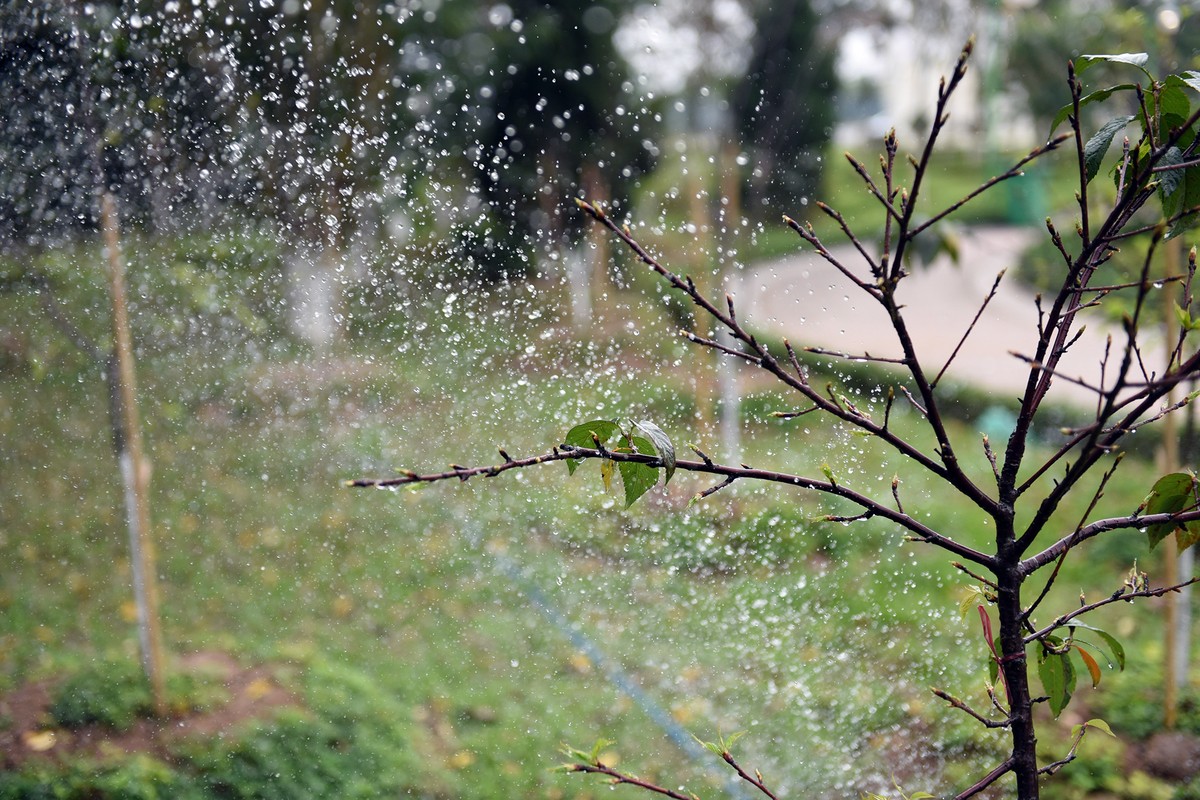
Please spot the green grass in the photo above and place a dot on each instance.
(407, 621)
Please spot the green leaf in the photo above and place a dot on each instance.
(1058, 678)
(1100, 725)
(993, 666)
(1182, 200)
(599, 746)
(1114, 647)
(638, 478)
(1171, 494)
(731, 738)
(1170, 179)
(1184, 316)
(1174, 108)
(662, 444)
(1098, 96)
(1139, 60)
(582, 436)
(974, 596)
(1097, 146)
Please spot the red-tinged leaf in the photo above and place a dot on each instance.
(1092, 667)
(987, 629)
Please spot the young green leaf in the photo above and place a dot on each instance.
(727, 741)
(1100, 725)
(607, 468)
(582, 436)
(599, 746)
(1184, 316)
(662, 444)
(1097, 146)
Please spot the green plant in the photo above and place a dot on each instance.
(115, 694)
(1025, 504)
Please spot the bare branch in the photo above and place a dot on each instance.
(995, 285)
(987, 780)
(1116, 597)
(883, 199)
(754, 780)
(1013, 172)
(961, 706)
(865, 357)
(618, 778)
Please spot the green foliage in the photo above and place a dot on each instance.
(115, 694)
(354, 741)
(1171, 494)
(636, 478)
(137, 777)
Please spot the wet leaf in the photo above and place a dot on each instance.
(607, 468)
(662, 445)
(1174, 108)
(1171, 179)
(1114, 647)
(1092, 667)
(1097, 146)
(638, 478)
(581, 436)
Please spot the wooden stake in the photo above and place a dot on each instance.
(135, 468)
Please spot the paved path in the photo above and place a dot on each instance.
(805, 299)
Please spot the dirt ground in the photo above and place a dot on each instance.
(29, 732)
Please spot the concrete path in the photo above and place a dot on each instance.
(805, 299)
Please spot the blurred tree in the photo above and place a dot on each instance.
(783, 107)
(1047, 34)
(557, 111)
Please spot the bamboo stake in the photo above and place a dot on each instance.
(135, 468)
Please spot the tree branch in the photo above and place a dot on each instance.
(563, 452)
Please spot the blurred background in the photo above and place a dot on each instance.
(349, 246)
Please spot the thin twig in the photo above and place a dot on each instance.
(599, 768)
(1065, 619)
(754, 780)
(995, 285)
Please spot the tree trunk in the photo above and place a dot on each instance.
(1016, 675)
